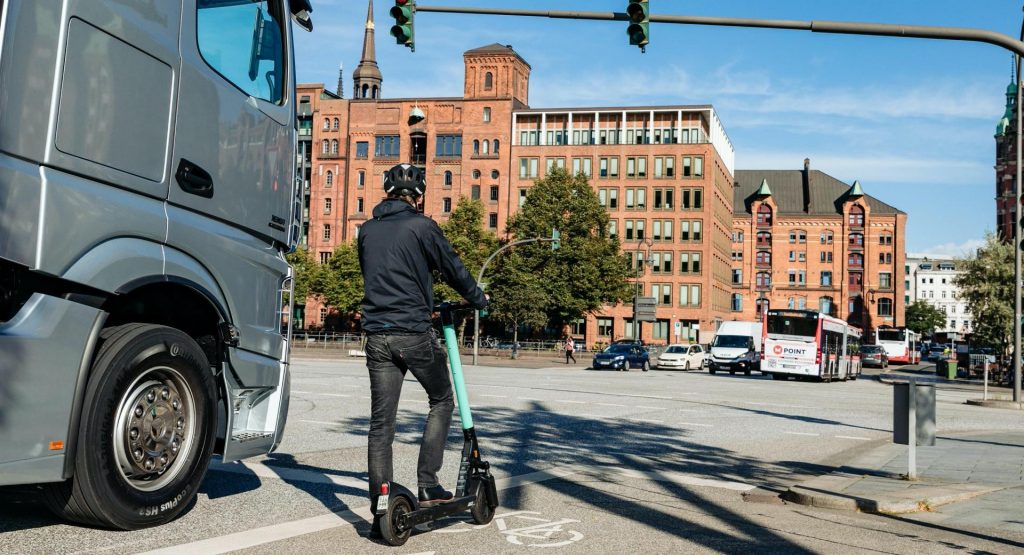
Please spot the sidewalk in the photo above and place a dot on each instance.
(983, 474)
(545, 360)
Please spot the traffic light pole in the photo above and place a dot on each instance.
(832, 27)
(480, 279)
(1018, 235)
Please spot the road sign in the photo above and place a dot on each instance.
(679, 328)
(646, 308)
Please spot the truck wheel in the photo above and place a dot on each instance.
(147, 430)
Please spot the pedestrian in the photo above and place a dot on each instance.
(570, 348)
(399, 249)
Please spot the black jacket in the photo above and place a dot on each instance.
(398, 250)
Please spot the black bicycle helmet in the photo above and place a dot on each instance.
(405, 179)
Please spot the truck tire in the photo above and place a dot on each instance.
(147, 431)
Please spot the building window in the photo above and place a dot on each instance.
(496, 147)
(327, 124)
(689, 262)
(763, 279)
(325, 146)
(664, 167)
(885, 258)
(737, 236)
(825, 305)
(386, 146)
(474, 192)
(360, 205)
(663, 293)
(764, 239)
(448, 146)
(662, 230)
(692, 199)
(640, 197)
(494, 193)
(487, 114)
(737, 276)
(553, 163)
(329, 179)
(737, 255)
(488, 81)
(492, 220)
(362, 149)
(856, 240)
(528, 168)
(608, 198)
(609, 167)
(327, 232)
(693, 166)
(856, 260)
(335, 124)
(476, 147)
(690, 230)
(764, 215)
(857, 215)
(826, 237)
(885, 307)
(325, 256)
(826, 279)
(447, 179)
(334, 146)
(613, 225)
(446, 205)
(885, 238)
(663, 199)
(327, 205)
(323, 315)
(581, 165)
(885, 280)
(635, 229)
(689, 295)
(486, 147)
(826, 256)
(604, 327)
(763, 258)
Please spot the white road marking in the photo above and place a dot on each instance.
(319, 393)
(494, 396)
(652, 420)
(855, 437)
(597, 416)
(801, 434)
(696, 424)
(610, 405)
(568, 401)
(649, 408)
(324, 422)
(288, 474)
(674, 477)
(530, 399)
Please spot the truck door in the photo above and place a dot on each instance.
(231, 155)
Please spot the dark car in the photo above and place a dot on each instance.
(874, 355)
(623, 356)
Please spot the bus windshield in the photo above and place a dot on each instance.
(892, 335)
(732, 341)
(792, 325)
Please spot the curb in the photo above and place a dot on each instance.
(995, 404)
(826, 492)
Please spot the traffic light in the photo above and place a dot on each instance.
(639, 12)
(556, 239)
(404, 11)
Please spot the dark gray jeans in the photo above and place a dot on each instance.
(388, 358)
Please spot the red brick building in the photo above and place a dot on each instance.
(803, 239)
(664, 173)
(1006, 166)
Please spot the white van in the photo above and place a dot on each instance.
(736, 347)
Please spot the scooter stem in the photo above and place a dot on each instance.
(455, 362)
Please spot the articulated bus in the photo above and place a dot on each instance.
(802, 343)
(901, 345)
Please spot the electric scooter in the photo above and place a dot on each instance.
(475, 489)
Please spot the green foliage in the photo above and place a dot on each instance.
(986, 284)
(588, 271)
(341, 280)
(517, 296)
(306, 272)
(924, 318)
(465, 231)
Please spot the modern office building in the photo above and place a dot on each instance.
(930, 280)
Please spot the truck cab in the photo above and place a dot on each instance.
(147, 199)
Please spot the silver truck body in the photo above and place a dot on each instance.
(106, 106)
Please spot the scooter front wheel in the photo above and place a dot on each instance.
(389, 529)
(482, 512)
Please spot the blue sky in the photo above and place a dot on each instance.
(913, 120)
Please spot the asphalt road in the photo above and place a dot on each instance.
(587, 462)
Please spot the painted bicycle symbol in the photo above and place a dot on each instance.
(527, 528)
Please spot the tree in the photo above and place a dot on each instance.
(986, 284)
(588, 271)
(924, 318)
(340, 284)
(465, 231)
(305, 272)
(517, 297)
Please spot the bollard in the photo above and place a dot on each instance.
(913, 419)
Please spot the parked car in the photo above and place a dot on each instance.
(874, 355)
(686, 357)
(508, 345)
(936, 352)
(623, 356)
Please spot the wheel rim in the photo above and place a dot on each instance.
(155, 429)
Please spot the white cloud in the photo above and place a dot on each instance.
(873, 168)
(951, 250)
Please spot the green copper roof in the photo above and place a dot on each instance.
(1002, 126)
(764, 190)
(855, 190)
(1008, 114)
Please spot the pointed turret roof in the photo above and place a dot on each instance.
(367, 70)
(764, 190)
(855, 190)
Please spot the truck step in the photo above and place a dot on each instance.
(244, 437)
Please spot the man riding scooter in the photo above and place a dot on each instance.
(398, 250)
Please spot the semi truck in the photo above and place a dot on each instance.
(148, 197)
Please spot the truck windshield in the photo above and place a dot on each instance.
(732, 341)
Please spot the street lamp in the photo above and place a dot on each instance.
(639, 271)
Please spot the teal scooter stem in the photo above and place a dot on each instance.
(451, 342)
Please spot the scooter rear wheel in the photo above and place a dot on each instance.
(388, 525)
(481, 511)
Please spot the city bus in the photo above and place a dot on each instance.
(802, 343)
(901, 345)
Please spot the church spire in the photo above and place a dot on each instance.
(341, 81)
(367, 76)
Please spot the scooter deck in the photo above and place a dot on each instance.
(434, 512)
